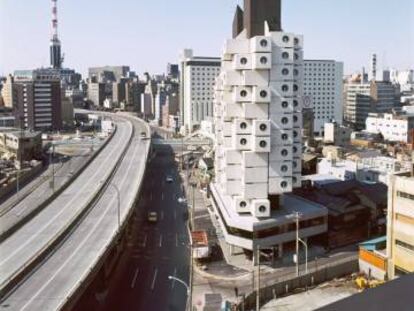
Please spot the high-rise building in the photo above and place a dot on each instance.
(400, 226)
(8, 92)
(323, 85)
(38, 100)
(97, 93)
(173, 71)
(361, 99)
(197, 80)
(258, 125)
(55, 47)
(108, 73)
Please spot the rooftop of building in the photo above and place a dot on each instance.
(394, 295)
(19, 133)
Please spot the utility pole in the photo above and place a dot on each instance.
(297, 243)
(258, 280)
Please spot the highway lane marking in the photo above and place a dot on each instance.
(162, 215)
(160, 240)
(153, 280)
(176, 239)
(175, 275)
(65, 207)
(175, 214)
(162, 196)
(151, 196)
(69, 258)
(135, 278)
(144, 243)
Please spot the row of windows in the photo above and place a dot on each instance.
(405, 195)
(404, 245)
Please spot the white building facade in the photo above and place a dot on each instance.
(323, 86)
(198, 76)
(258, 122)
(396, 128)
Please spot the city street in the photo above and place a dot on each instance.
(155, 250)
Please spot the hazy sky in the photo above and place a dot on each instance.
(146, 34)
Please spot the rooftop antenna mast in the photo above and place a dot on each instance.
(55, 47)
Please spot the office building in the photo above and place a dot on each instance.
(38, 100)
(198, 76)
(364, 98)
(405, 79)
(337, 134)
(97, 93)
(392, 127)
(323, 85)
(258, 147)
(8, 92)
(400, 226)
(108, 73)
(173, 71)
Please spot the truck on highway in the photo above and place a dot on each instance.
(201, 249)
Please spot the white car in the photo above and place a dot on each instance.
(182, 200)
(169, 179)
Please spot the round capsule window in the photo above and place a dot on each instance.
(263, 143)
(295, 134)
(243, 125)
(263, 94)
(295, 149)
(285, 136)
(243, 93)
(295, 72)
(263, 127)
(285, 88)
(284, 168)
(243, 141)
(285, 104)
(284, 152)
(262, 208)
(295, 103)
(285, 39)
(283, 184)
(296, 41)
(285, 55)
(243, 204)
(295, 87)
(263, 60)
(296, 56)
(263, 43)
(285, 120)
(243, 60)
(294, 180)
(285, 71)
(295, 119)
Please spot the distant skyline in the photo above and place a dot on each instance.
(146, 35)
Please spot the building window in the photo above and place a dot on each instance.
(285, 71)
(285, 120)
(263, 127)
(285, 88)
(263, 143)
(243, 141)
(285, 39)
(285, 104)
(243, 125)
(285, 136)
(263, 60)
(405, 195)
(262, 208)
(243, 61)
(285, 55)
(263, 43)
(263, 93)
(284, 152)
(284, 168)
(283, 184)
(243, 93)
(404, 245)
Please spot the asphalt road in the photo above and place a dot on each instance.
(155, 251)
(34, 236)
(18, 206)
(59, 276)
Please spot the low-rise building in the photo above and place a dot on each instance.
(337, 134)
(23, 145)
(400, 226)
(392, 127)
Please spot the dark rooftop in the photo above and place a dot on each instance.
(397, 295)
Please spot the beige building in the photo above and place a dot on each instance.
(8, 93)
(400, 235)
